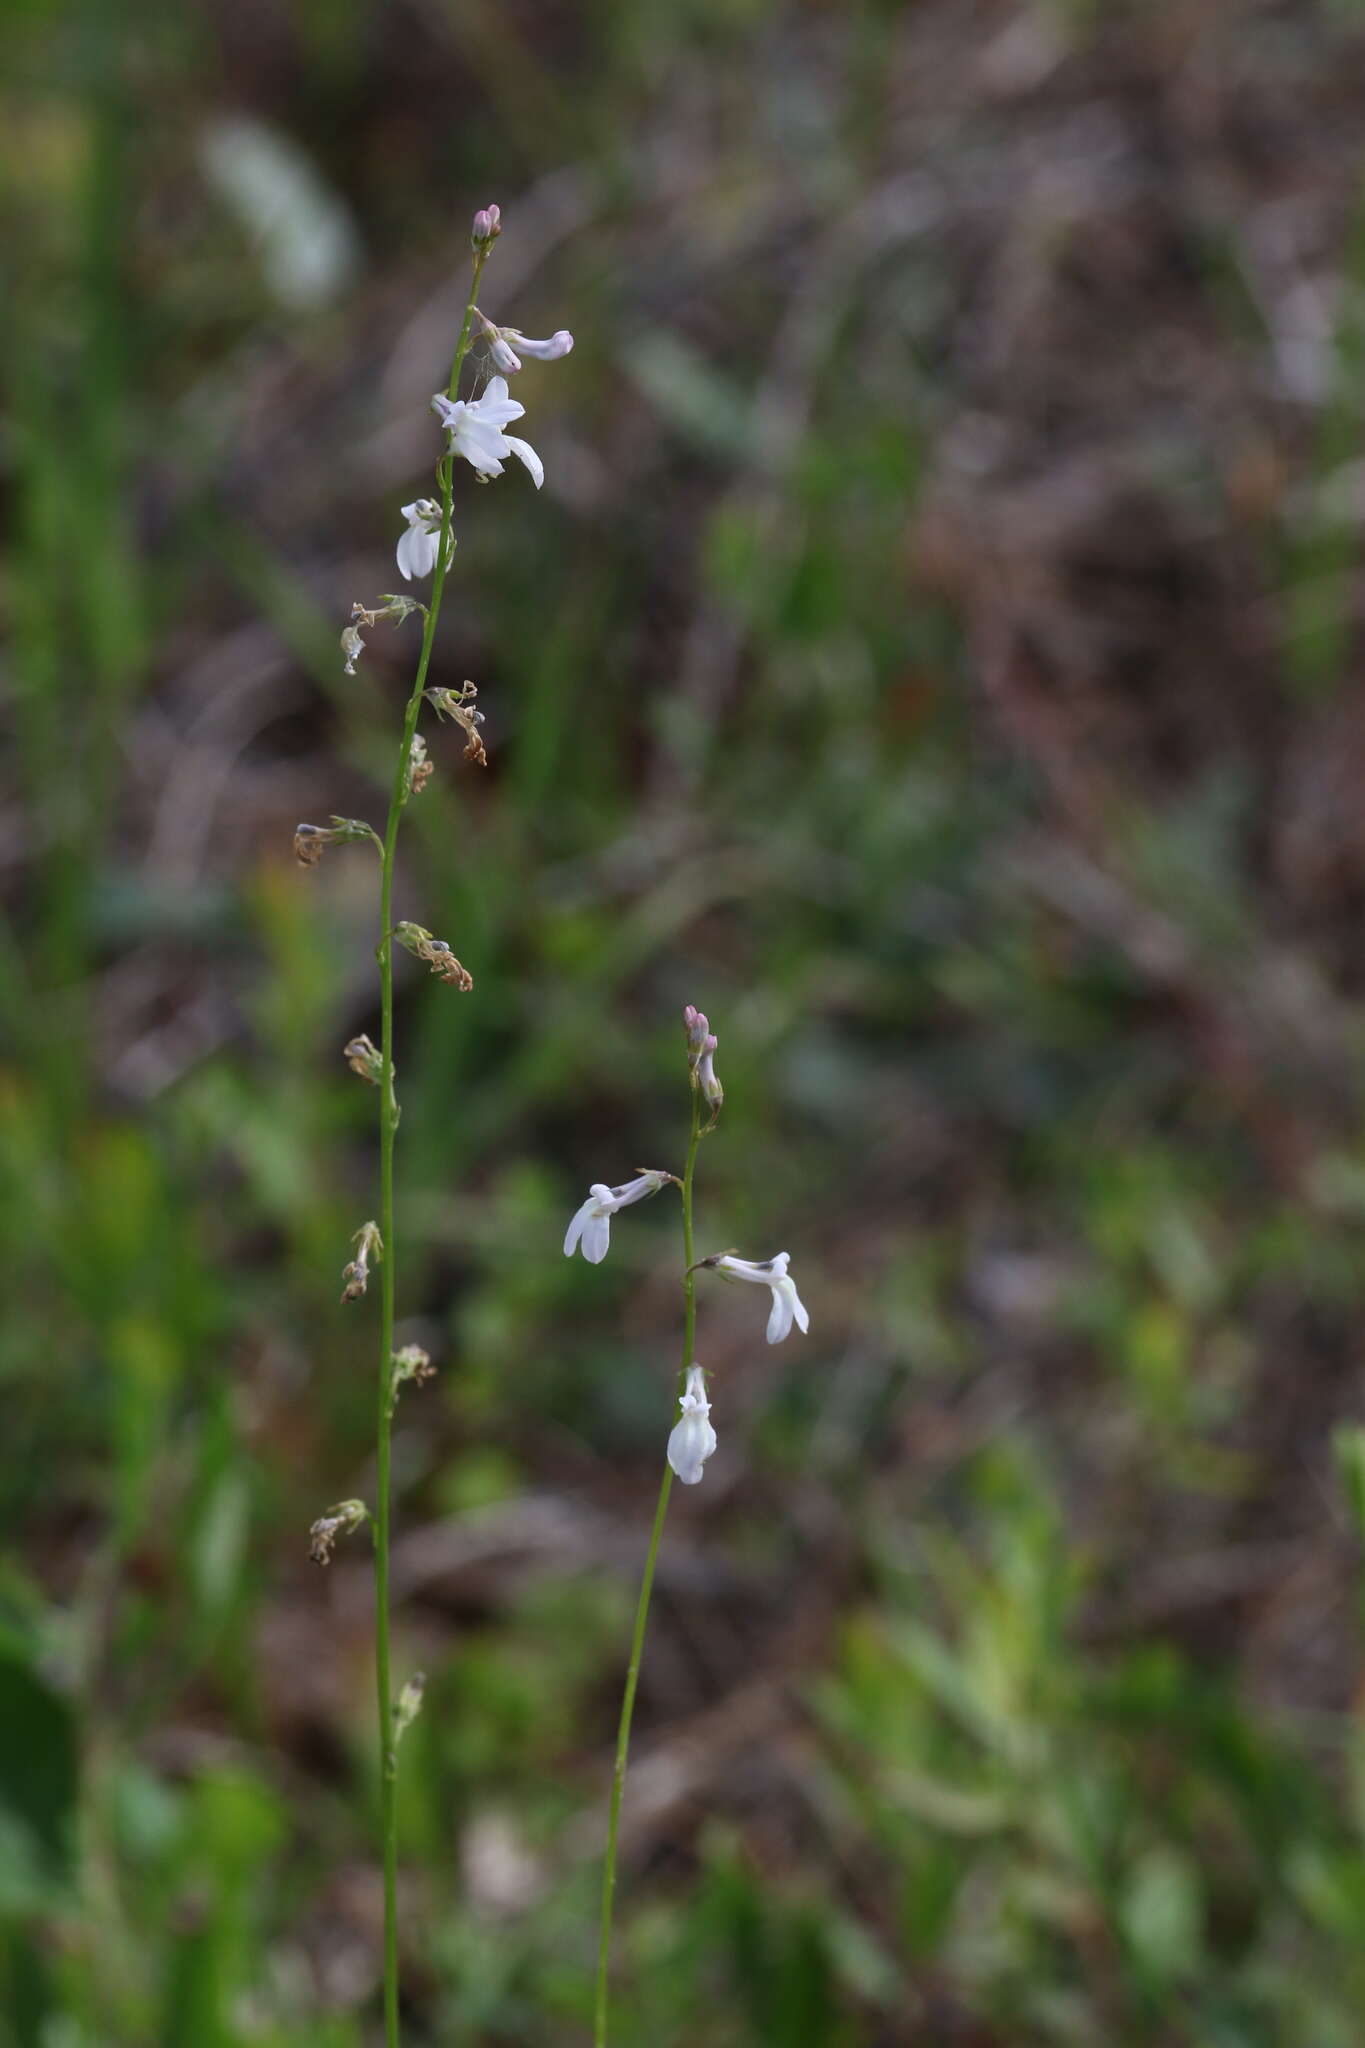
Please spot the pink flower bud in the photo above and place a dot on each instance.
(696, 1028)
(487, 226)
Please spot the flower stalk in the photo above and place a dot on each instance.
(693, 1438)
(388, 1128)
(474, 429)
(637, 1642)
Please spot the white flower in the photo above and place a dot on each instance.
(417, 547)
(787, 1307)
(592, 1222)
(475, 428)
(692, 1438)
(559, 344)
(501, 346)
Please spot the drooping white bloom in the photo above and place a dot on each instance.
(503, 343)
(787, 1308)
(559, 344)
(591, 1224)
(417, 547)
(475, 427)
(692, 1438)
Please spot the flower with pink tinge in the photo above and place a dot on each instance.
(503, 343)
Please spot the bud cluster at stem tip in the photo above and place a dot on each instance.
(486, 228)
(701, 1049)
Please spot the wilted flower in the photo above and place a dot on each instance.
(356, 1274)
(339, 1521)
(411, 1363)
(389, 606)
(352, 646)
(436, 953)
(310, 841)
(692, 1438)
(363, 1057)
(459, 705)
(419, 546)
(418, 772)
(408, 1705)
(475, 427)
(787, 1307)
(591, 1224)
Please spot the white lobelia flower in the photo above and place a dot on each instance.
(503, 343)
(692, 1438)
(591, 1225)
(417, 547)
(475, 427)
(787, 1308)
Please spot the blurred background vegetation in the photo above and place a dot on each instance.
(937, 652)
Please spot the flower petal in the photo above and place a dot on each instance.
(596, 1238)
(544, 351)
(525, 453)
(575, 1229)
(780, 1315)
(407, 542)
(495, 408)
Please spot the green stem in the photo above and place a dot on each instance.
(637, 1642)
(388, 1126)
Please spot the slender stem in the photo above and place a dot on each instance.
(388, 1127)
(637, 1642)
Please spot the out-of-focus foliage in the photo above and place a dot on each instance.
(936, 651)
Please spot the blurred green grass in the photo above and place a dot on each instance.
(935, 652)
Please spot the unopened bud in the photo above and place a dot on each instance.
(356, 1273)
(363, 1057)
(342, 1520)
(487, 227)
(706, 1077)
(696, 1029)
